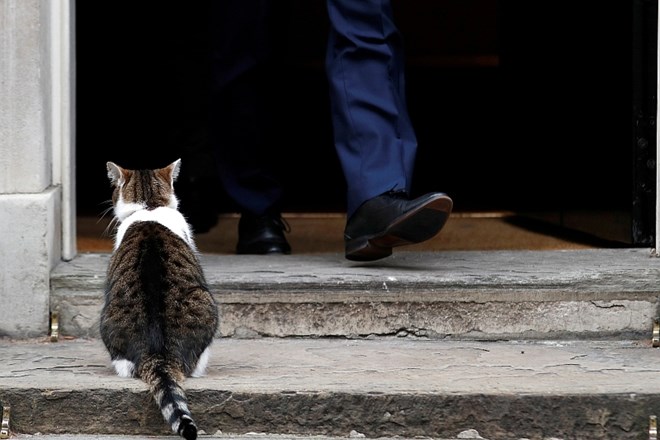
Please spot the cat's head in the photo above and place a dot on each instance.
(135, 190)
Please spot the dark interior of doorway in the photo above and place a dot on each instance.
(519, 106)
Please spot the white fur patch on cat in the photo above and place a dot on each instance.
(123, 367)
(200, 369)
(168, 217)
(123, 210)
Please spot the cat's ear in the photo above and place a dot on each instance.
(115, 174)
(173, 170)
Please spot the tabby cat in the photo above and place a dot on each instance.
(159, 319)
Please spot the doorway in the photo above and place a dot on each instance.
(522, 107)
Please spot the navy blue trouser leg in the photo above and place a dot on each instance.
(373, 134)
(244, 38)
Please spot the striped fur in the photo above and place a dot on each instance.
(159, 319)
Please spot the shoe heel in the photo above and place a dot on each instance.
(364, 250)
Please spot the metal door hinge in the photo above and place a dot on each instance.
(4, 427)
(54, 332)
(653, 428)
(655, 340)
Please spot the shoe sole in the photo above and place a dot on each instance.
(415, 226)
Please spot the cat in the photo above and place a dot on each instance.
(159, 318)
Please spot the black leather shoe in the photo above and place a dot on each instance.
(262, 235)
(391, 220)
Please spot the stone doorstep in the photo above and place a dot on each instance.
(388, 387)
(574, 294)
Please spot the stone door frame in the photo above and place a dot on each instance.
(37, 157)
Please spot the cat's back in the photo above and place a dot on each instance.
(156, 290)
(155, 254)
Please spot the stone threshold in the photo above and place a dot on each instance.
(494, 295)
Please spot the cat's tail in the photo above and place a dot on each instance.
(164, 380)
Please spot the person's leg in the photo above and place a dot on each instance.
(243, 52)
(241, 58)
(373, 133)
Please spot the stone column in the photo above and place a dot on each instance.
(30, 191)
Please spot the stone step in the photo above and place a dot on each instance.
(463, 435)
(493, 295)
(386, 387)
